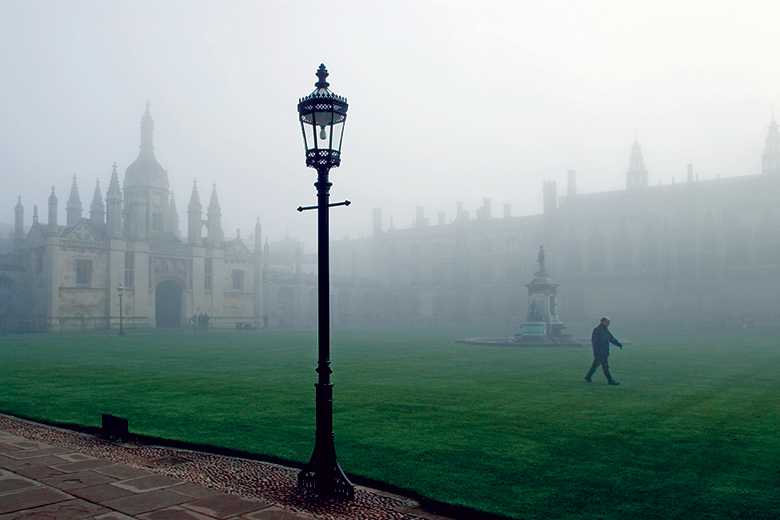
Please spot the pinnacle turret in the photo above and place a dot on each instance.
(173, 217)
(19, 221)
(195, 217)
(114, 206)
(97, 211)
(214, 219)
(74, 208)
(53, 206)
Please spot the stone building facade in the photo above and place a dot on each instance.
(693, 252)
(65, 277)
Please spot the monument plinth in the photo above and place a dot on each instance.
(542, 326)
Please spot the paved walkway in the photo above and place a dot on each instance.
(52, 473)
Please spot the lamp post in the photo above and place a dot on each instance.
(120, 291)
(322, 115)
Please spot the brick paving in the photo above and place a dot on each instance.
(52, 473)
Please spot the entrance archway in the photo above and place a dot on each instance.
(167, 304)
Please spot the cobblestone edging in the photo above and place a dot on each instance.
(251, 479)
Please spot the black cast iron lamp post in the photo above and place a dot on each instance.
(322, 115)
(120, 291)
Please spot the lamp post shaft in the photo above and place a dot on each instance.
(323, 473)
(121, 325)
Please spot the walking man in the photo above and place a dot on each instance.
(601, 338)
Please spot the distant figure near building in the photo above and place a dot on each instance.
(601, 338)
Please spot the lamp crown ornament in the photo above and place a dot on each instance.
(322, 73)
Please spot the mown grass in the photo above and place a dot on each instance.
(692, 432)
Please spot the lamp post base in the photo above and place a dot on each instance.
(325, 477)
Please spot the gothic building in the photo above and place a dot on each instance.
(695, 252)
(63, 277)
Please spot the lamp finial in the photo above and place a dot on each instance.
(322, 73)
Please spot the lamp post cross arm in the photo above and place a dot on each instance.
(345, 203)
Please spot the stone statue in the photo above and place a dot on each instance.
(533, 312)
(542, 263)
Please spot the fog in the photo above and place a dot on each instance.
(449, 100)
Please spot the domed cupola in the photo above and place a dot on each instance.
(146, 191)
(146, 172)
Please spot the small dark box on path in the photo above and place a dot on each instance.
(115, 426)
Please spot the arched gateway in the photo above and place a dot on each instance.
(167, 304)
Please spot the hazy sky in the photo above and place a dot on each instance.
(449, 100)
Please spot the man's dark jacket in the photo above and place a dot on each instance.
(601, 338)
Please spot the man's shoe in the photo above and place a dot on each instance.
(587, 379)
(614, 383)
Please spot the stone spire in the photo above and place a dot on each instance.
(195, 217)
(147, 131)
(173, 218)
(19, 221)
(53, 204)
(97, 211)
(214, 217)
(74, 208)
(770, 160)
(258, 235)
(636, 176)
(114, 203)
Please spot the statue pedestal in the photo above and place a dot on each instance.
(534, 328)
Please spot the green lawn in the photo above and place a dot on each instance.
(692, 432)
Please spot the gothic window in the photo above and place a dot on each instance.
(597, 254)
(238, 279)
(157, 218)
(709, 252)
(685, 255)
(572, 255)
(83, 272)
(512, 244)
(621, 245)
(6, 292)
(648, 251)
(460, 269)
(129, 269)
(736, 247)
(208, 272)
(39, 263)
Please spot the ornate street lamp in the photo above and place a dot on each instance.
(120, 291)
(322, 115)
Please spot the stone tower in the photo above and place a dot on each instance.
(636, 176)
(146, 189)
